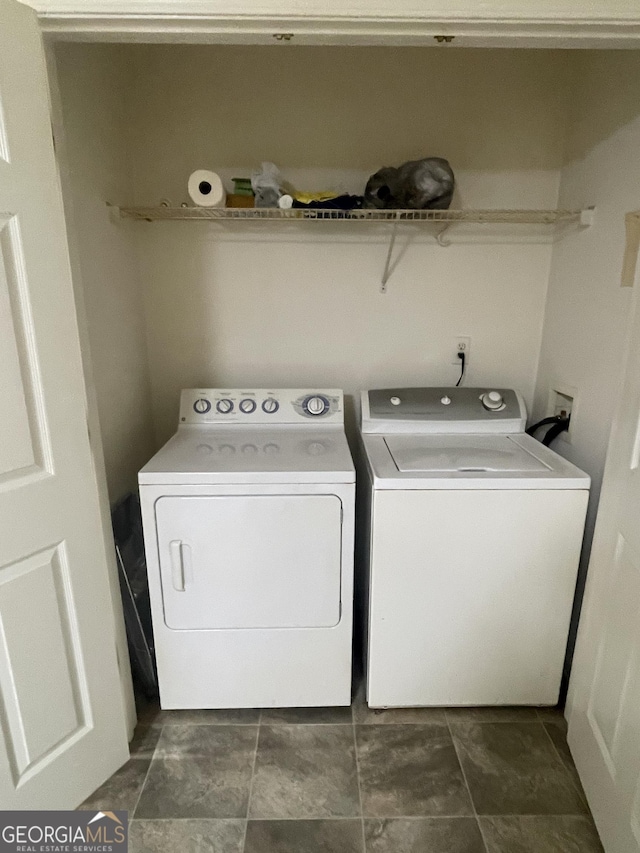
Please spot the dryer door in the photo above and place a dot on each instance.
(250, 561)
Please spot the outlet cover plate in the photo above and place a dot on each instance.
(463, 344)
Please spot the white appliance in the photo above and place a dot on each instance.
(471, 538)
(248, 516)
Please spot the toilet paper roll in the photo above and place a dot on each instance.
(206, 189)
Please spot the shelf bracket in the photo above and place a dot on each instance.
(441, 240)
(387, 265)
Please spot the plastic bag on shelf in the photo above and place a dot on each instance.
(266, 183)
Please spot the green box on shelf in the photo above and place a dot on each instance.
(242, 186)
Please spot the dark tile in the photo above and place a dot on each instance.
(513, 768)
(153, 715)
(191, 741)
(144, 741)
(122, 790)
(408, 716)
(200, 773)
(408, 770)
(378, 716)
(424, 835)
(194, 788)
(540, 834)
(305, 771)
(304, 836)
(186, 836)
(278, 716)
(493, 714)
(557, 733)
(553, 715)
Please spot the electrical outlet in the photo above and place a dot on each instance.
(462, 345)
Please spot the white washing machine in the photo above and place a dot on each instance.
(248, 516)
(471, 537)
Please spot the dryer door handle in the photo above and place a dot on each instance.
(179, 552)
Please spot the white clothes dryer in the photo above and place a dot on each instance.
(471, 534)
(248, 515)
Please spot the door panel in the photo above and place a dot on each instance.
(248, 561)
(4, 143)
(38, 657)
(21, 435)
(618, 648)
(62, 720)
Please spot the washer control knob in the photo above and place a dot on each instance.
(270, 406)
(247, 406)
(492, 401)
(224, 406)
(201, 406)
(446, 401)
(395, 401)
(316, 405)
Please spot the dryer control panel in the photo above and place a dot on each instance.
(277, 406)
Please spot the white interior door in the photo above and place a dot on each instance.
(62, 721)
(604, 698)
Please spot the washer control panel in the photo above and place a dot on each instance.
(261, 406)
(443, 410)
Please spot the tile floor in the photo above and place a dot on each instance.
(351, 780)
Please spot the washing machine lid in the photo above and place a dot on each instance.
(221, 455)
(461, 453)
(421, 461)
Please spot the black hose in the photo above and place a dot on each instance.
(555, 431)
(554, 419)
(559, 423)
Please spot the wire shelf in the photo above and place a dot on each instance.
(269, 214)
(565, 219)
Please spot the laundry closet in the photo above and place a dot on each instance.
(166, 303)
(172, 304)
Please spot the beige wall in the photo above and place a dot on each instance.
(92, 82)
(238, 306)
(349, 109)
(586, 313)
(587, 310)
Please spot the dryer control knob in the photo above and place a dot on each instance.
(395, 401)
(224, 406)
(446, 401)
(492, 401)
(316, 405)
(270, 406)
(201, 406)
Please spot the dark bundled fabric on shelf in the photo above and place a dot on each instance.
(417, 185)
(341, 202)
